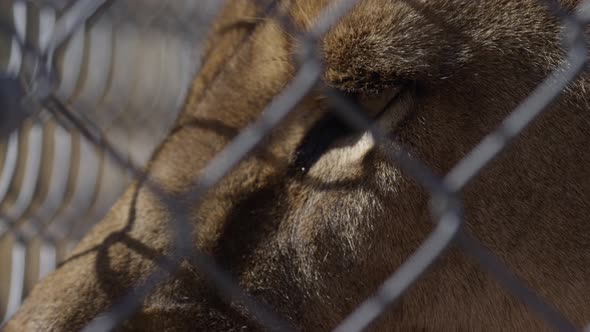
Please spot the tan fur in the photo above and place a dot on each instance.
(314, 246)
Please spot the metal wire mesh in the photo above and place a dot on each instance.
(55, 182)
(51, 110)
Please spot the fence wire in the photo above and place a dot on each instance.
(37, 101)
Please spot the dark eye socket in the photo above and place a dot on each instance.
(317, 141)
(332, 127)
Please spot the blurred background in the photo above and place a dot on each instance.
(126, 70)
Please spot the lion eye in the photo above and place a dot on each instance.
(332, 127)
(317, 141)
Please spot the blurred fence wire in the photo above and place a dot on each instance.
(81, 116)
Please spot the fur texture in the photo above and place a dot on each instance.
(314, 245)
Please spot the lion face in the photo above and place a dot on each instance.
(317, 218)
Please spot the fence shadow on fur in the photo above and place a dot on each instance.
(447, 206)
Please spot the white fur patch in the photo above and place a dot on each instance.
(352, 153)
(343, 160)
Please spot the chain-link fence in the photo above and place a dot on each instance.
(126, 73)
(74, 129)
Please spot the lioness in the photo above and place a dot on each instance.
(314, 221)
